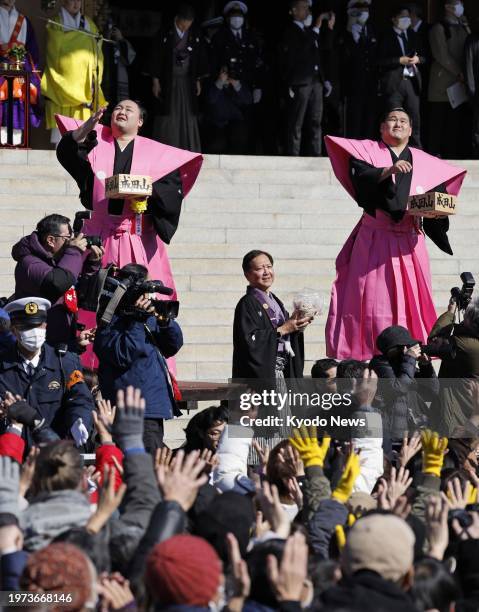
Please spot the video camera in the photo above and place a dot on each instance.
(463, 296)
(80, 217)
(119, 295)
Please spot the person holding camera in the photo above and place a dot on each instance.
(50, 261)
(227, 107)
(458, 346)
(409, 381)
(237, 71)
(132, 350)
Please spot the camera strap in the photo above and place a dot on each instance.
(109, 311)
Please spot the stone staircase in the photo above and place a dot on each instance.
(291, 207)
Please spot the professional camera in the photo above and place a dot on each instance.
(233, 69)
(80, 217)
(463, 296)
(119, 295)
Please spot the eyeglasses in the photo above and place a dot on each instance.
(67, 237)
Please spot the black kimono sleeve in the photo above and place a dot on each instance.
(255, 342)
(390, 197)
(372, 193)
(164, 205)
(73, 156)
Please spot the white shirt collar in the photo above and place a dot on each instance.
(300, 24)
(34, 362)
(399, 32)
(179, 32)
(235, 32)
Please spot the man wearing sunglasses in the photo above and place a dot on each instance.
(49, 263)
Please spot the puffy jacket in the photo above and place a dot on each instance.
(403, 392)
(38, 274)
(128, 356)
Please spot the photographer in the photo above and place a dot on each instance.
(49, 263)
(132, 350)
(460, 361)
(227, 110)
(410, 381)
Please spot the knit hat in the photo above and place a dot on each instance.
(60, 568)
(183, 570)
(381, 543)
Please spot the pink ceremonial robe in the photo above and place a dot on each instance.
(122, 244)
(383, 276)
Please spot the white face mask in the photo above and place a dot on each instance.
(308, 21)
(459, 10)
(404, 23)
(363, 17)
(236, 22)
(32, 339)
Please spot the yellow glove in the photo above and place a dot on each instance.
(345, 486)
(306, 443)
(340, 537)
(351, 519)
(433, 448)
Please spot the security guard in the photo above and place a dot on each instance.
(49, 379)
(236, 48)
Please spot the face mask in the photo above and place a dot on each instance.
(363, 17)
(404, 23)
(459, 10)
(308, 21)
(32, 339)
(236, 22)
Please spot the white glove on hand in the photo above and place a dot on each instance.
(79, 432)
(257, 95)
(328, 88)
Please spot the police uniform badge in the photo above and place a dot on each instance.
(31, 308)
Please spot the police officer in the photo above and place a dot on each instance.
(236, 50)
(50, 380)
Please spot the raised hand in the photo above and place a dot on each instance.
(287, 578)
(90, 124)
(183, 479)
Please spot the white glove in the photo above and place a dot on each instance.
(257, 95)
(328, 88)
(79, 432)
(356, 30)
(291, 92)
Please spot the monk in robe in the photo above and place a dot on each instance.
(91, 153)
(16, 31)
(383, 274)
(74, 67)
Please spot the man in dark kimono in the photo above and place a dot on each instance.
(266, 340)
(178, 63)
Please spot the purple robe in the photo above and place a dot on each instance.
(31, 64)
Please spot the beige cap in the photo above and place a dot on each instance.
(382, 543)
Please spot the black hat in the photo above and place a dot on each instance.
(396, 335)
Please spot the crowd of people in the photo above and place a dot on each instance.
(223, 86)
